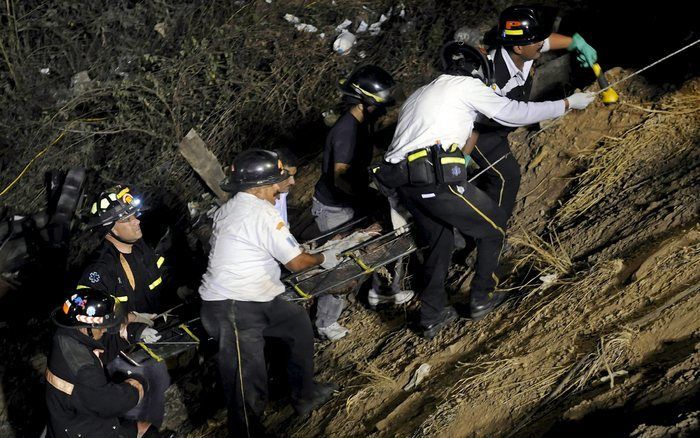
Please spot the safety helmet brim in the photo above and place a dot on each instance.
(111, 320)
(230, 185)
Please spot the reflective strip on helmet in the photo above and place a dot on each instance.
(122, 193)
(513, 32)
(89, 319)
(155, 283)
(378, 98)
(93, 210)
(104, 203)
(82, 286)
(160, 261)
(112, 196)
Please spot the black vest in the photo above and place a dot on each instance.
(521, 93)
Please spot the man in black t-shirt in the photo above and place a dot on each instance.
(343, 188)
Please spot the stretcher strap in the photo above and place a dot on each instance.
(301, 292)
(150, 352)
(189, 332)
(367, 269)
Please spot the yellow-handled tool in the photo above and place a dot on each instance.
(609, 95)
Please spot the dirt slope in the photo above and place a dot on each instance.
(608, 208)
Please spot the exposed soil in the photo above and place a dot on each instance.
(601, 334)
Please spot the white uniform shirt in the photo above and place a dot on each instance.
(281, 206)
(444, 112)
(248, 240)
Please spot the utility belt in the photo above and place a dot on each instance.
(423, 167)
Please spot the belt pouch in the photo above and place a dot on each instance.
(420, 169)
(451, 165)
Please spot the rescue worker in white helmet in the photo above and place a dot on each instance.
(343, 188)
(241, 294)
(426, 164)
(80, 399)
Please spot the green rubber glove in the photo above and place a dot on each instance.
(587, 56)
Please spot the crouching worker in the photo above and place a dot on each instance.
(81, 400)
(241, 294)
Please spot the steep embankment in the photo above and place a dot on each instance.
(603, 320)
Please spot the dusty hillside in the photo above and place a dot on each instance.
(608, 209)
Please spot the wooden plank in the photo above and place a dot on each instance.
(204, 162)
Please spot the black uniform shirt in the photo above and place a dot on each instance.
(347, 142)
(106, 273)
(95, 403)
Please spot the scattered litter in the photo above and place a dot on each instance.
(343, 26)
(418, 376)
(343, 44)
(375, 28)
(362, 54)
(322, 35)
(362, 27)
(268, 2)
(160, 28)
(329, 117)
(291, 18)
(306, 27)
(45, 71)
(298, 25)
(548, 280)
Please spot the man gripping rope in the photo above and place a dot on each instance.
(426, 164)
(524, 32)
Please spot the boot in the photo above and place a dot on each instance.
(481, 304)
(319, 396)
(448, 315)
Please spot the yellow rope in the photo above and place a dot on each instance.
(43, 151)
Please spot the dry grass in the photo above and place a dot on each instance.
(619, 157)
(545, 256)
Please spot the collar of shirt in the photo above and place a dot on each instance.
(512, 69)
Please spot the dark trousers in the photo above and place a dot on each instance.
(240, 328)
(502, 181)
(437, 210)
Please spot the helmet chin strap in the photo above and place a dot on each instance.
(126, 242)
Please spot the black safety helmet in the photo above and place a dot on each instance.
(461, 59)
(370, 85)
(89, 308)
(521, 25)
(254, 168)
(113, 204)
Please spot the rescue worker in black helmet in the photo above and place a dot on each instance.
(241, 294)
(426, 164)
(343, 188)
(81, 400)
(523, 33)
(124, 265)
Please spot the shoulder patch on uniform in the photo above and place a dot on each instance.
(94, 277)
(280, 225)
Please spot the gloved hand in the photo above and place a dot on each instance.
(143, 318)
(580, 100)
(330, 258)
(587, 56)
(150, 335)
